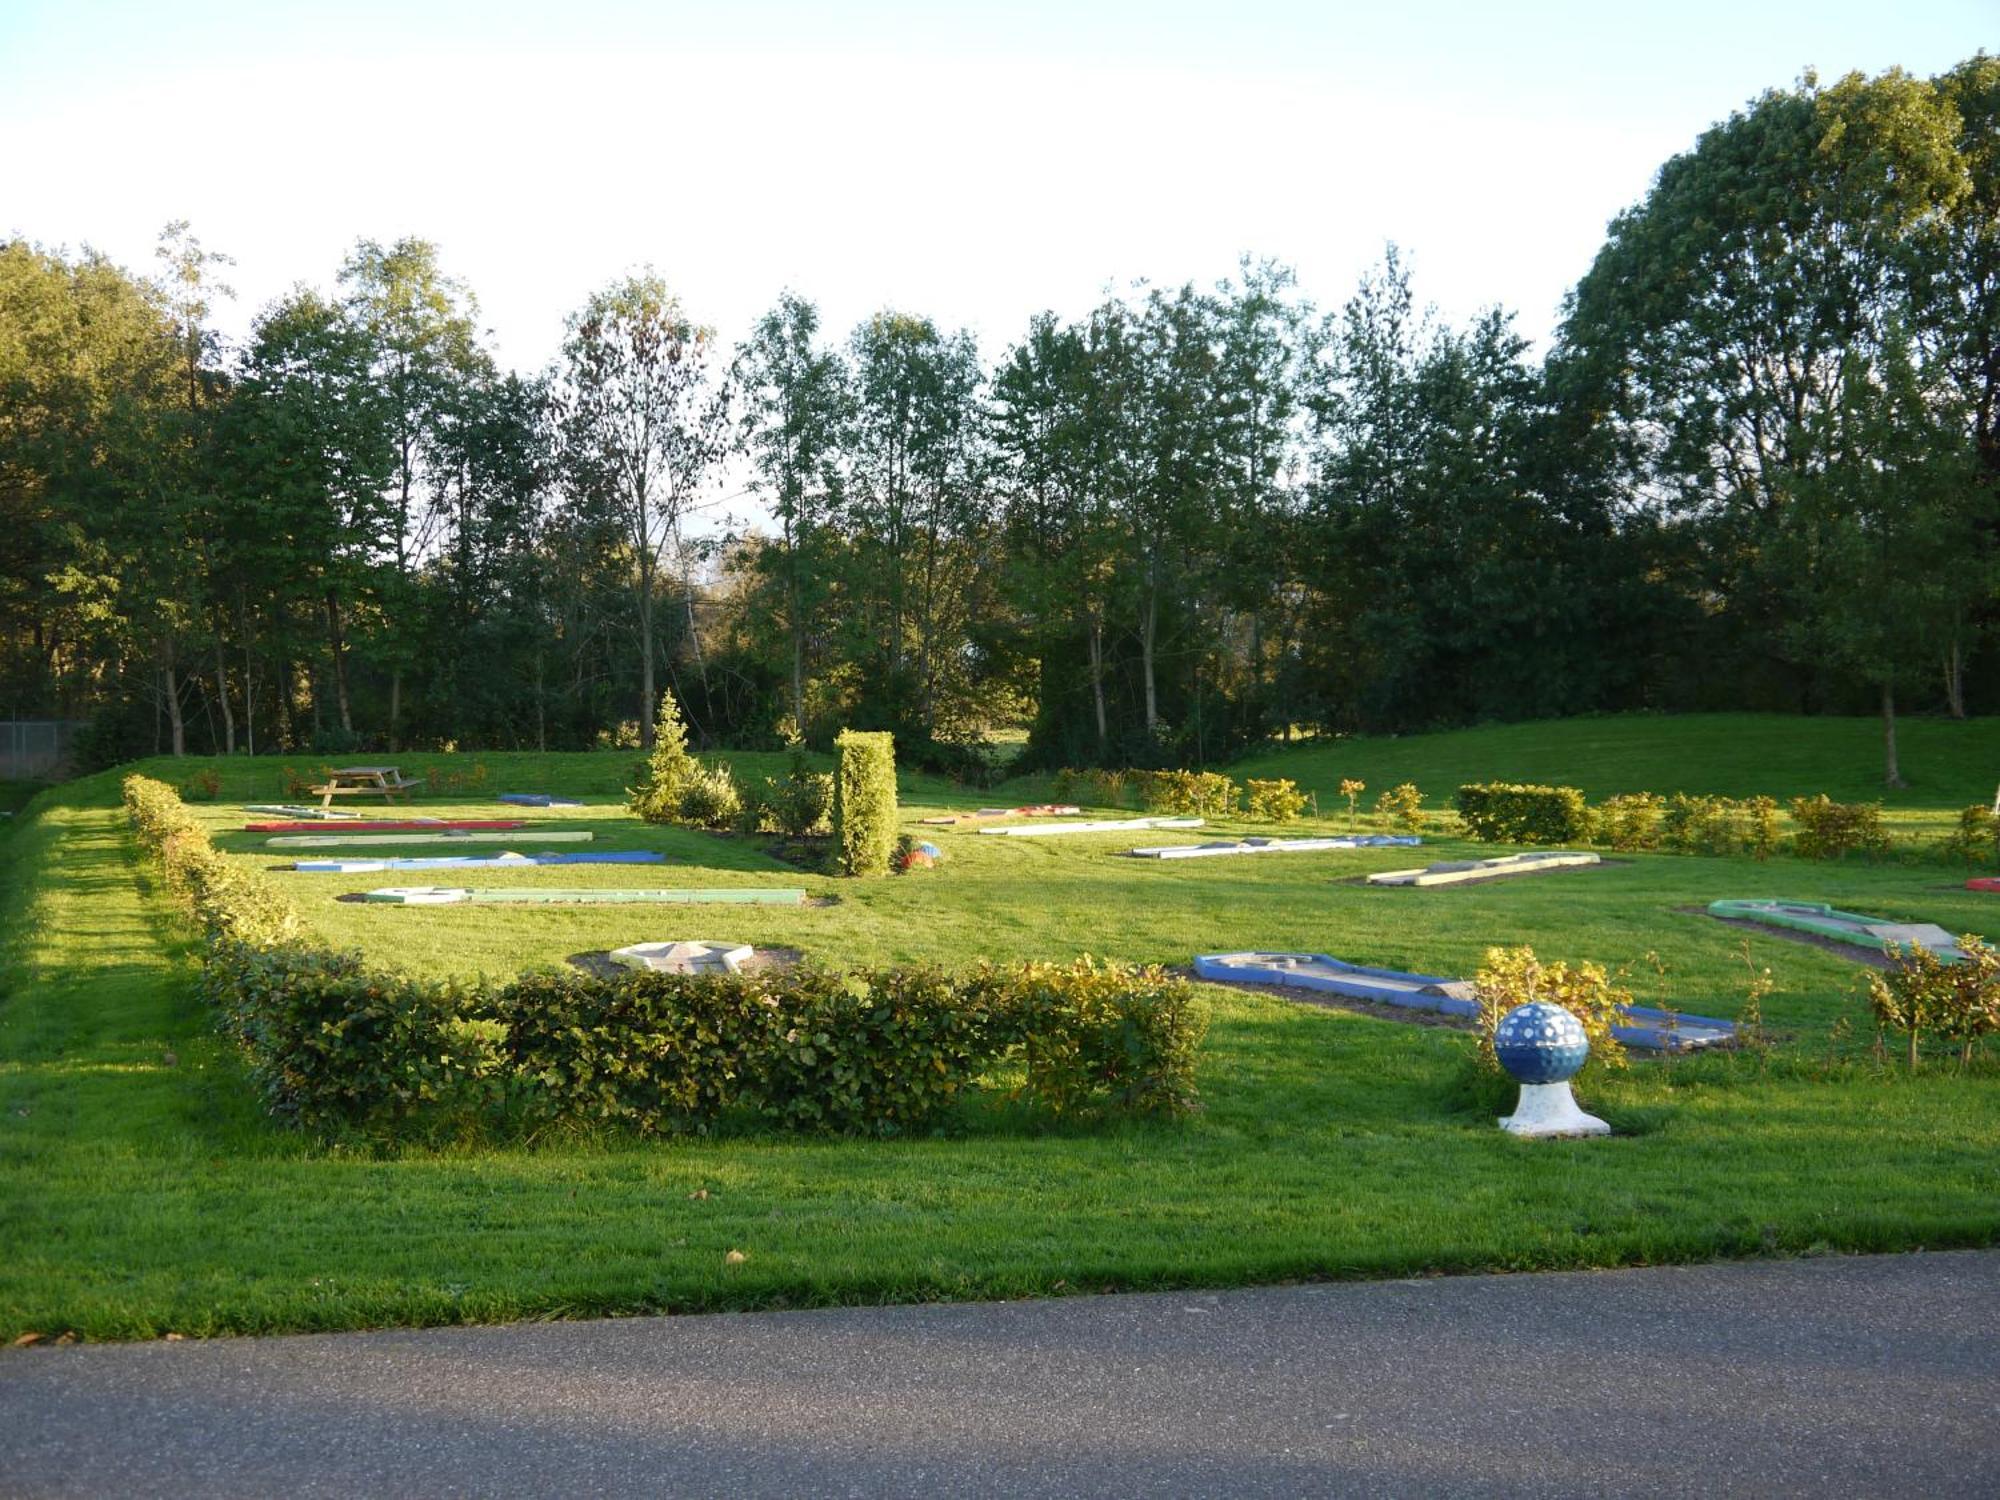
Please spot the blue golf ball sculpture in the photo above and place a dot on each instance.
(1540, 1043)
(1542, 1046)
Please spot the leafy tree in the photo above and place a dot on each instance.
(796, 407)
(643, 422)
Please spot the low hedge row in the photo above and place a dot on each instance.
(338, 1047)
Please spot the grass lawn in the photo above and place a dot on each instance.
(142, 1192)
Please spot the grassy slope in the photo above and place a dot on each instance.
(145, 1196)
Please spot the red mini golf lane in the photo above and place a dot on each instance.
(405, 825)
(1984, 883)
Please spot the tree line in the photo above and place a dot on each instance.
(1758, 467)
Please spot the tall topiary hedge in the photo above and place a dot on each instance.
(864, 801)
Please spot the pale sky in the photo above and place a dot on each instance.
(972, 164)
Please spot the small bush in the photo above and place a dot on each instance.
(1278, 801)
(799, 804)
(1700, 825)
(1187, 793)
(710, 799)
(204, 786)
(1402, 805)
(1352, 789)
(1920, 992)
(1630, 821)
(1976, 840)
(1513, 977)
(1504, 813)
(864, 801)
(1102, 1038)
(1829, 829)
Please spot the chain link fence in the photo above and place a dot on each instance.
(35, 749)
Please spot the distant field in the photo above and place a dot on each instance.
(146, 1193)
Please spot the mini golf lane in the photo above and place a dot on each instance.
(437, 895)
(1222, 847)
(509, 861)
(1878, 934)
(377, 840)
(1645, 1028)
(1471, 871)
(385, 825)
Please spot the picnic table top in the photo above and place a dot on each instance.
(366, 771)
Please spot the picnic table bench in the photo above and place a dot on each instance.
(364, 781)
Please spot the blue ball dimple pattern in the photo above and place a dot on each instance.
(1540, 1043)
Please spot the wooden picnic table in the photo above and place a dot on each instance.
(364, 781)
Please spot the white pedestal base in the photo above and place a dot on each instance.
(1551, 1109)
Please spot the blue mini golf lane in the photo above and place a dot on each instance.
(1645, 1028)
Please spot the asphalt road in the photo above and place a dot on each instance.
(1867, 1376)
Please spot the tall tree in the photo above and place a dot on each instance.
(797, 404)
(644, 424)
(420, 323)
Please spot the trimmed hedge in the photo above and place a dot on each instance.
(337, 1047)
(864, 801)
(1499, 812)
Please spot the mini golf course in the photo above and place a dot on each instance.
(1105, 825)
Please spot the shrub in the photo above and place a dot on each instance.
(876, 1053)
(1976, 840)
(648, 1052)
(710, 799)
(1504, 813)
(1352, 789)
(1402, 805)
(1513, 977)
(1187, 793)
(1102, 1038)
(1920, 992)
(1761, 813)
(1278, 801)
(666, 773)
(801, 802)
(1630, 820)
(1829, 829)
(864, 801)
(204, 786)
(1700, 825)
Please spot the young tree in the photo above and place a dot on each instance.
(644, 427)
